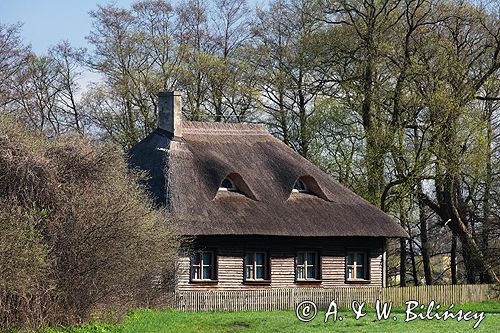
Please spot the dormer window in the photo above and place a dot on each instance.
(306, 184)
(228, 185)
(300, 187)
(233, 186)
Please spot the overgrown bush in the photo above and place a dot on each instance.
(78, 232)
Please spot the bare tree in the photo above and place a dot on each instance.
(13, 57)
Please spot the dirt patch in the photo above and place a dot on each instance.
(238, 326)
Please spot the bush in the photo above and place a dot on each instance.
(78, 233)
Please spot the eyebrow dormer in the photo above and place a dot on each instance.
(233, 182)
(308, 185)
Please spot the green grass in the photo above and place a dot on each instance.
(285, 321)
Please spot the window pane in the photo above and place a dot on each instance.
(227, 183)
(311, 272)
(300, 272)
(300, 258)
(248, 259)
(259, 258)
(207, 258)
(360, 259)
(350, 259)
(300, 186)
(207, 272)
(248, 270)
(259, 273)
(349, 272)
(311, 258)
(196, 259)
(360, 272)
(196, 273)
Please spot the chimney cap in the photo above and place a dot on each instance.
(169, 93)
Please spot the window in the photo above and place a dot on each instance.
(357, 265)
(233, 186)
(203, 266)
(306, 184)
(227, 185)
(307, 265)
(256, 266)
(300, 186)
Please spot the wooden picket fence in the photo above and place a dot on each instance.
(285, 299)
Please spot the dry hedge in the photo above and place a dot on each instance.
(78, 231)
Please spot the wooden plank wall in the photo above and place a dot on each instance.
(286, 299)
(282, 252)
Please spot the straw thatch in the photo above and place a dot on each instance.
(186, 173)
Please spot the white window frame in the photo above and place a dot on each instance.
(201, 265)
(355, 266)
(305, 266)
(253, 266)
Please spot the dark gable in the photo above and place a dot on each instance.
(197, 163)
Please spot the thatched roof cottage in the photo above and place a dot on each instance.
(262, 215)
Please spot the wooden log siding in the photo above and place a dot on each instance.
(230, 252)
(286, 299)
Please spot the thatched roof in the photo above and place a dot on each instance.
(186, 174)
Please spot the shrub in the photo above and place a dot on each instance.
(78, 233)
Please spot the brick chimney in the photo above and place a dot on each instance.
(169, 114)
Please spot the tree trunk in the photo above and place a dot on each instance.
(303, 130)
(402, 262)
(412, 258)
(283, 117)
(453, 261)
(374, 154)
(402, 245)
(474, 259)
(485, 232)
(424, 241)
(470, 269)
(217, 96)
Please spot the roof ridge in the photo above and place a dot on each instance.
(216, 128)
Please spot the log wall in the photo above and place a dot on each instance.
(230, 252)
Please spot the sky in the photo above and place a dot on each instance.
(47, 22)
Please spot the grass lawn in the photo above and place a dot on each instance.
(286, 321)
